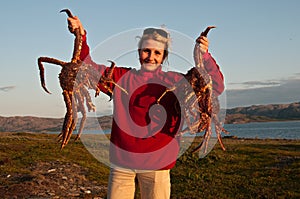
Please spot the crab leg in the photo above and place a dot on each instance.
(220, 138)
(68, 121)
(77, 41)
(197, 52)
(74, 118)
(77, 46)
(204, 33)
(207, 89)
(41, 68)
(80, 102)
(68, 12)
(107, 78)
(204, 143)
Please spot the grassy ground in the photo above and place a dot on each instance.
(249, 168)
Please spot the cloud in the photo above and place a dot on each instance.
(251, 84)
(269, 92)
(7, 88)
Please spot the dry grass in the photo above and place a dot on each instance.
(250, 168)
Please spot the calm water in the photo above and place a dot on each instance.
(260, 130)
(274, 130)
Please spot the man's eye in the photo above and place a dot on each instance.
(146, 50)
(157, 53)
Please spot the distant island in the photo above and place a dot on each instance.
(254, 113)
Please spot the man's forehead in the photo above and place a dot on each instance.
(150, 43)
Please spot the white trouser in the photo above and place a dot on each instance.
(153, 184)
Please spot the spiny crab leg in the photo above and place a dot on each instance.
(197, 52)
(107, 78)
(206, 138)
(77, 41)
(110, 80)
(164, 93)
(41, 68)
(205, 32)
(68, 12)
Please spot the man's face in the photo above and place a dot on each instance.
(151, 54)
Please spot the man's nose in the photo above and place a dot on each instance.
(151, 56)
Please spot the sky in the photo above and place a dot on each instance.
(256, 44)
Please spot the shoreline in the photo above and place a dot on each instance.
(233, 137)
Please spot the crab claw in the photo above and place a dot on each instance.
(45, 89)
(112, 63)
(68, 12)
(204, 33)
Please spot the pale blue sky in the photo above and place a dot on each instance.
(256, 44)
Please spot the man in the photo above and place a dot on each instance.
(143, 136)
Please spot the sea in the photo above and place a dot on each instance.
(265, 130)
(257, 130)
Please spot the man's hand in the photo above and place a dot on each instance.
(74, 23)
(204, 43)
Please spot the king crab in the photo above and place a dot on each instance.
(75, 79)
(200, 104)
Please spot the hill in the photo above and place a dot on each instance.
(42, 125)
(255, 113)
(264, 113)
